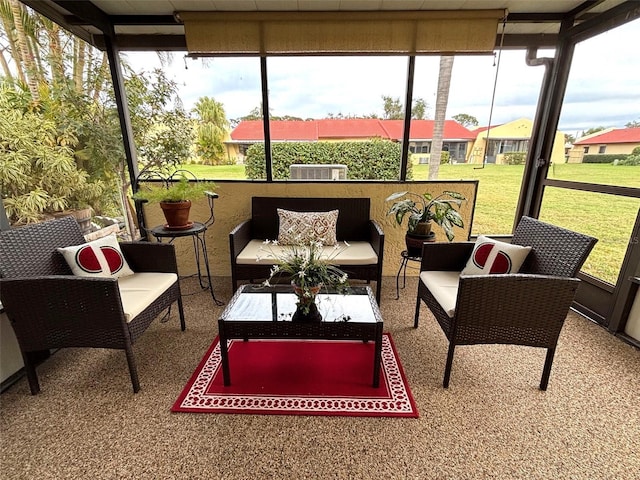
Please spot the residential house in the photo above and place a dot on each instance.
(508, 137)
(456, 137)
(610, 141)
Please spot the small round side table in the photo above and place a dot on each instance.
(197, 233)
(406, 258)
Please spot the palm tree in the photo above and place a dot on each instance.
(211, 130)
(442, 98)
(22, 44)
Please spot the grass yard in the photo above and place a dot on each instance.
(606, 217)
(222, 172)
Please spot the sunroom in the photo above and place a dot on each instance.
(264, 47)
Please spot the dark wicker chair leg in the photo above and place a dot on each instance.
(447, 368)
(133, 371)
(30, 369)
(417, 315)
(181, 313)
(378, 289)
(547, 368)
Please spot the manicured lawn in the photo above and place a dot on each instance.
(216, 172)
(608, 218)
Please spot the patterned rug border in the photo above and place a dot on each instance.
(399, 403)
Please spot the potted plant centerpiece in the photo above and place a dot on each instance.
(308, 265)
(174, 197)
(423, 209)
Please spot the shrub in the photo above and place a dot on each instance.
(603, 157)
(631, 160)
(515, 158)
(370, 160)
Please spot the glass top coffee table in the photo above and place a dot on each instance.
(257, 312)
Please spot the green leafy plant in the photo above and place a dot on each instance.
(175, 191)
(308, 265)
(424, 208)
(39, 174)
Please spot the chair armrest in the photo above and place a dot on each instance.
(444, 256)
(63, 311)
(150, 257)
(239, 237)
(376, 237)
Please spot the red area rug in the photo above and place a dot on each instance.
(295, 377)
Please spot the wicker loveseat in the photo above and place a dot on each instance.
(49, 308)
(525, 308)
(362, 260)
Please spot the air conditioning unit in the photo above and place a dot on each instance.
(318, 172)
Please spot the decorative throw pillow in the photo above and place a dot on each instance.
(303, 227)
(99, 258)
(493, 256)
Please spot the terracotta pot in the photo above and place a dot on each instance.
(176, 214)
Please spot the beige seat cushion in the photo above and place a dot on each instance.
(444, 288)
(141, 289)
(358, 253)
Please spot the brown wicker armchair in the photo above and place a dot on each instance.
(527, 308)
(50, 308)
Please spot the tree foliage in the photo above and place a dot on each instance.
(392, 107)
(466, 120)
(211, 130)
(61, 140)
(592, 131)
(161, 126)
(38, 171)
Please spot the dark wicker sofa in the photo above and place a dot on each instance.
(49, 308)
(354, 225)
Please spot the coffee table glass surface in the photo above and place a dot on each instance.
(278, 303)
(266, 312)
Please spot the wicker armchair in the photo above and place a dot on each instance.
(527, 308)
(50, 308)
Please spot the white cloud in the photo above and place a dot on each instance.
(603, 86)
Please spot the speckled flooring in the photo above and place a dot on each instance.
(492, 422)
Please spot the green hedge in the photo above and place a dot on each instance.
(371, 160)
(603, 157)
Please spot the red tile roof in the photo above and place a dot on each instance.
(313, 130)
(252, 130)
(619, 135)
(351, 128)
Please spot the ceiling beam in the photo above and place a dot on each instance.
(132, 20)
(87, 12)
(612, 18)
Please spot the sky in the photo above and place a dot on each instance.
(603, 88)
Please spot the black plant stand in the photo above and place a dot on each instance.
(197, 233)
